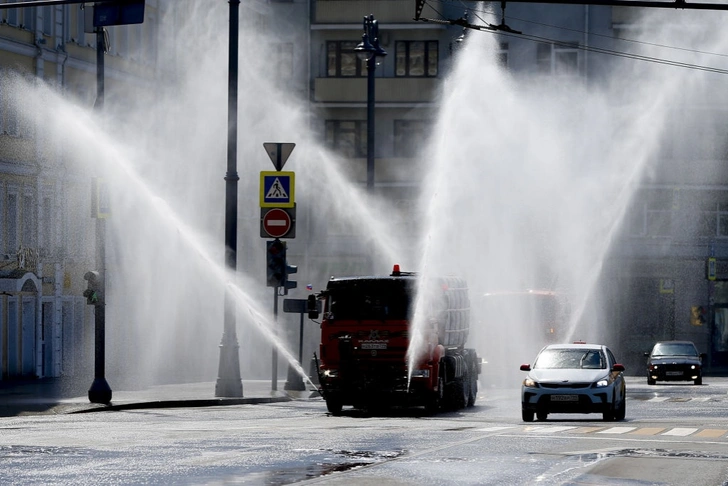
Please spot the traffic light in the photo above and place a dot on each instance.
(93, 292)
(276, 263)
(289, 284)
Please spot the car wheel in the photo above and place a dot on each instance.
(650, 381)
(526, 415)
(621, 411)
(541, 416)
(698, 380)
(608, 414)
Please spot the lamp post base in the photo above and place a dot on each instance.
(100, 391)
(228, 382)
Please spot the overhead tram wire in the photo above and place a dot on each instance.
(581, 32)
(498, 29)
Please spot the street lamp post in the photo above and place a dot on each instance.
(229, 383)
(368, 50)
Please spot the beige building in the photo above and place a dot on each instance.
(45, 224)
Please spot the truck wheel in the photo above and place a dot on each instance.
(473, 389)
(334, 406)
(433, 403)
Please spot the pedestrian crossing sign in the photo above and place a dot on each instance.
(277, 189)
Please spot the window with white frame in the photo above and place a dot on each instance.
(558, 58)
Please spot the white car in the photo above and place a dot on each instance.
(573, 378)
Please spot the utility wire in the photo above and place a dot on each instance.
(591, 48)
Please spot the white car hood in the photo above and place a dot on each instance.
(567, 375)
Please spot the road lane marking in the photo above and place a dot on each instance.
(680, 431)
(648, 431)
(617, 430)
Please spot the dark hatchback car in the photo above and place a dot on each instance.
(675, 361)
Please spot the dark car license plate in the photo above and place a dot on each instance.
(564, 398)
(674, 373)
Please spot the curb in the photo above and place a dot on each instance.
(194, 403)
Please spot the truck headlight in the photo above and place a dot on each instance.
(420, 373)
(331, 373)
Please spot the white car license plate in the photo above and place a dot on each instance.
(674, 373)
(564, 398)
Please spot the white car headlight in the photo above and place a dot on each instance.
(530, 383)
(602, 383)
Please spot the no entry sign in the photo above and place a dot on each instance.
(277, 223)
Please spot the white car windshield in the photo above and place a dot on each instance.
(570, 359)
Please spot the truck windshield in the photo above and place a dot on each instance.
(361, 300)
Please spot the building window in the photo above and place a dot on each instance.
(347, 137)
(47, 20)
(416, 58)
(11, 218)
(342, 61)
(652, 215)
(410, 136)
(29, 18)
(28, 221)
(560, 59)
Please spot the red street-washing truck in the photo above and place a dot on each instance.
(365, 336)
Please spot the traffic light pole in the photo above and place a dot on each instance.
(274, 361)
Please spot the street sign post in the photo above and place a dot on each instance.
(277, 189)
(278, 153)
(278, 222)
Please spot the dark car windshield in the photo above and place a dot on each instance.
(674, 349)
(570, 359)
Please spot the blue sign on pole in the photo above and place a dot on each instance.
(277, 189)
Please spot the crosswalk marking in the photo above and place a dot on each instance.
(495, 428)
(712, 433)
(648, 431)
(680, 431)
(658, 399)
(617, 430)
(587, 430)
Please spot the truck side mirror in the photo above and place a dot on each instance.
(312, 307)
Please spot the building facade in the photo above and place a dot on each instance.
(46, 232)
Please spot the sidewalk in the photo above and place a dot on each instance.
(49, 397)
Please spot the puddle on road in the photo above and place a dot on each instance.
(332, 461)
